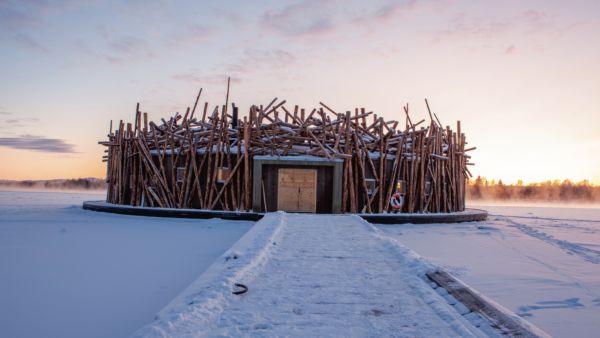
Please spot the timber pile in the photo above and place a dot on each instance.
(203, 158)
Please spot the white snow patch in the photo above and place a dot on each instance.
(542, 263)
(67, 272)
(203, 301)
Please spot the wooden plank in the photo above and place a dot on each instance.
(511, 326)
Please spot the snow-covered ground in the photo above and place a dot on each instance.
(66, 272)
(542, 263)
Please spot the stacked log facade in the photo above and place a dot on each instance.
(203, 159)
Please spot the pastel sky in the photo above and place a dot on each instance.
(522, 76)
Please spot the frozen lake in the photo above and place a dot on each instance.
(67, 272)
(543, 263)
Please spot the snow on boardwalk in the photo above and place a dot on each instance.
(312, 275)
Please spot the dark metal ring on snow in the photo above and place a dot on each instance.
(243, 287)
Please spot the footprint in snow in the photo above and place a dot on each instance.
(570, 303)
(373, 312)
(486, 230)
(486, 227)
(262, 326)
(231, 255)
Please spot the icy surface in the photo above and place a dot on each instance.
(542, 263)
(313, 275)
(66, 272)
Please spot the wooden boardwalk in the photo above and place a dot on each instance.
(311, 275)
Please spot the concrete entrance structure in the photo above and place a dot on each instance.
(266, 183)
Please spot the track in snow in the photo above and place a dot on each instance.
(539, 232)
(541, 263)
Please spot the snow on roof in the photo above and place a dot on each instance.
(297, 158)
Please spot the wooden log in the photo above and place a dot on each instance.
(196, 104)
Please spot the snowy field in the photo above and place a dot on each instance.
(66, 272)
(541, 262)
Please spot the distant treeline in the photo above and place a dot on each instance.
(548, 191)
(72, 184)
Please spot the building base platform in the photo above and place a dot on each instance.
(454, 217)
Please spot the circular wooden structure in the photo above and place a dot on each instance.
(287, 158)
(468, 215)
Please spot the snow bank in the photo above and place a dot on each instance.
(421, 267)
(204, 300)
(541, 263)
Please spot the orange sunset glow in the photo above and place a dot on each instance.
(522, 77)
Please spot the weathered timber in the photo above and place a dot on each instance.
(207, 162)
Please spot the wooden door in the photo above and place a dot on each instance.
(297, 190)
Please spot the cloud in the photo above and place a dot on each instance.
(15, 19)
(190, 35)
(23, 120)
(384, 14)
(128, 48)
(538, 22)
(257, 59)
(29, 42)
(529, 23)
(38, 143)
(114, 48)
(22, 17)
(393, 9)
(13, 123)
(196, 76)
(313, 18)
(251, 61)
(464, 26)
(233, 18)
(305, 18)
(4, 113)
